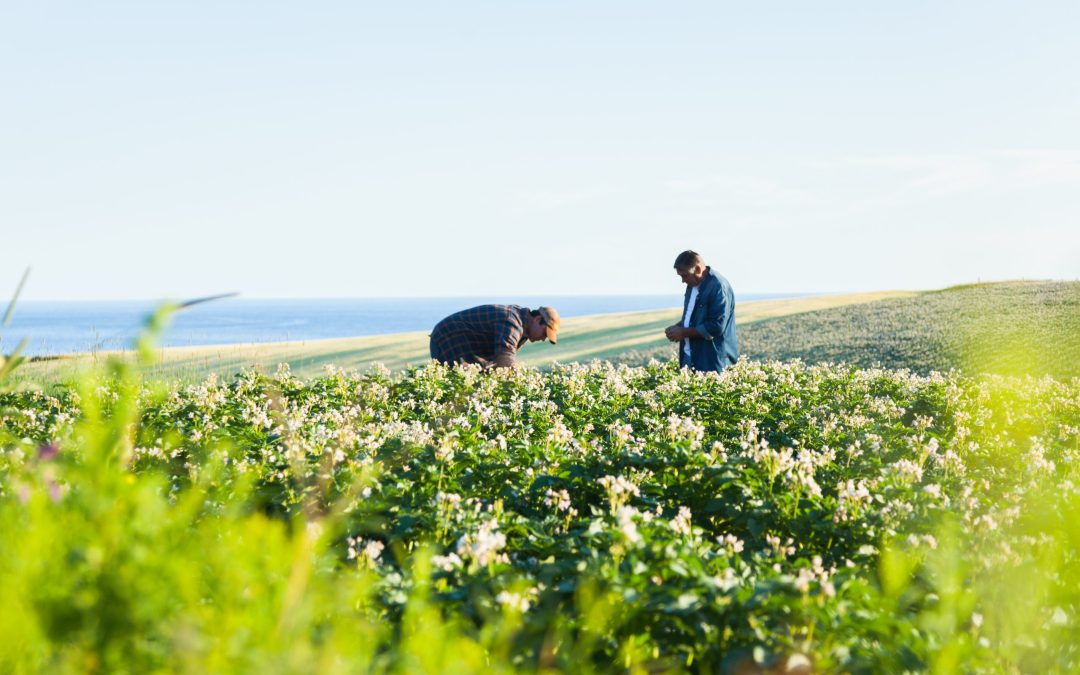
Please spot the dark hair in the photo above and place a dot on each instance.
(687, 260)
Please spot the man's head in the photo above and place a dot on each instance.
(691, 268)
(543, 324)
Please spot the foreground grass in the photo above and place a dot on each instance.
(581, 339)
(587, 519)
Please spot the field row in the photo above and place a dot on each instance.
(591, 517)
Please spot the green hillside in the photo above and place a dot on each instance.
(1007, 328)
(1015, 328)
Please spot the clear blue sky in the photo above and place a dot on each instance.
(152, 149)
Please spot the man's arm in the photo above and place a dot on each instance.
(716, 315)
(507, 339)
(676, 332)
(505, 360)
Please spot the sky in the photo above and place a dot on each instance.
(357, 149)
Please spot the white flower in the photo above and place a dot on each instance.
(731, 543)
(802, 581)
(1036, 458)
(373, 550)
(780, 547)
(950, 462)
(559, 434)
(484, 545)
(719, 452)
(445, 450)
(682, 522)
(620, 433)
(365, 554)
(803, 474)
(627, 525)
(907, 471)
(619, 490)
(854, 492)
(447, 500)
(560, 500)
(853, 497)
(515, 601)
(448, 562)
(684, 428)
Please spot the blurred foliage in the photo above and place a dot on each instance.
(591, 518)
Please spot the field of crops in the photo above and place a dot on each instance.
(778, 517)
(1016, 328)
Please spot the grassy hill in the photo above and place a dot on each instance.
(1008, 328)
(1015, 328)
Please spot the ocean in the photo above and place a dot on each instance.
(63, 327)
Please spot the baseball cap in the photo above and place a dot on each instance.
(551, 320)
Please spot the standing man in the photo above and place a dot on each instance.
(490, 335)
(707, 331)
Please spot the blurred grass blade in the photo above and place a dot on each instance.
(157, 322)
(209, 298)
(15, 298)
(11, 361)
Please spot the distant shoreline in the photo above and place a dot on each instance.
(69, 328)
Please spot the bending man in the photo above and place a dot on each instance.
(490, 335)
(707, 331)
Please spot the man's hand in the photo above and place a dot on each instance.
(505, 360)
(674, 332)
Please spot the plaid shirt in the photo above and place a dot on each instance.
(489, 335)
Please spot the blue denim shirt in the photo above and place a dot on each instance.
(714, 317)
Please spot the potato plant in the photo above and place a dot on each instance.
(592, 517)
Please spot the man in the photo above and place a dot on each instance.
(707, 331)
(490, 335)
